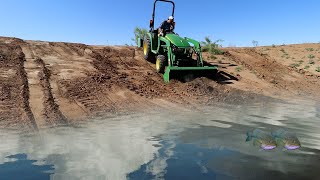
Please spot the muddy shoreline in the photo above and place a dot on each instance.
(46, 84)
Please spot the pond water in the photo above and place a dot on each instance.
(200, 144)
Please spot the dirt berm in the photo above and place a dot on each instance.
(45, 84)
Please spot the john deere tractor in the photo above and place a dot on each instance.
(171, 52)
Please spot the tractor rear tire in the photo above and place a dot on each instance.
(148, 55)
(161, 63)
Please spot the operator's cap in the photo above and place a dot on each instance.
(171, 17)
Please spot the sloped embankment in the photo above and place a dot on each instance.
(45, 84)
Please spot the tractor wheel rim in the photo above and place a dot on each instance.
(145, 48)
(158, 64)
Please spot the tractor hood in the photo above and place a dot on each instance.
(177, 40)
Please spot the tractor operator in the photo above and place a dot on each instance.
(167, 26)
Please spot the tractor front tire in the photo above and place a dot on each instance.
(160, 63)
(148, 55)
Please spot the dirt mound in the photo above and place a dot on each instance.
(45, 84)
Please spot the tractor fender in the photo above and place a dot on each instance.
(194, 42)
(163, 40)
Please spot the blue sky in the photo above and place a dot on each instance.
(107, 22)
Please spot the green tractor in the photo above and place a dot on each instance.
(172, 52)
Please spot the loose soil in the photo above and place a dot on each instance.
(47, 84)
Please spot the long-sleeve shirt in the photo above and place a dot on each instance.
(167, 27)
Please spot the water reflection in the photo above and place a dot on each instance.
(247, 162)
(176, 145)
(185, 161)
(190, 161)
(19, 167)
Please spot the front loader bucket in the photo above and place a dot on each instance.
(183, 73)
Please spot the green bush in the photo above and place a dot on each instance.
(311, 61)
(213, 57)
(211, 46)
(238, 69)
(311, 56)
(295, 65)
(139, 32)
(318, 69)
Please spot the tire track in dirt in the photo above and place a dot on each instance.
(59, 62)
(85, 89)
(15, 109)
(35, 90)
(52, 113)
(43, 106)
(24, 92)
